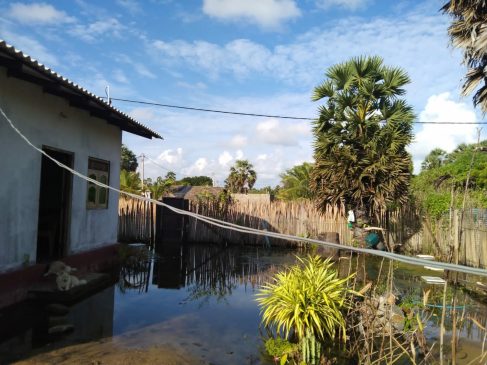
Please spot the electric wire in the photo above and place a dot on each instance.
(242, 229)
(248, 114)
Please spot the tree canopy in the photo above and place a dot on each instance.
(128, 160)
(242, 177)
(435, 187)
(295, 183)
(197, 181)
(468, 32)
(361, 134)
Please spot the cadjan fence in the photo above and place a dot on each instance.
(406, 229)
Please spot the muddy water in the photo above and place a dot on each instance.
(193, 304)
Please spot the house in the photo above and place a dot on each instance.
(47, 213)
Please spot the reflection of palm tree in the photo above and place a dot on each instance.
(242, 177)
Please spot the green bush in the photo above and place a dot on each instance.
(307, 299)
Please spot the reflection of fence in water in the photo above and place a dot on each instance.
(217, 271)
(134, 274)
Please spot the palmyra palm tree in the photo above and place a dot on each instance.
(242, 177)
(361, 135)
(469, 32)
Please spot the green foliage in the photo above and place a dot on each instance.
(128, 160)
(242, 177)
(197, 181)
(433, 187)
(130, 182)
(361, 135)
(159, 187)
(295, 183)
(306, 297)
(279, 348)
(435, 159)
(469, 18)
(310, 349)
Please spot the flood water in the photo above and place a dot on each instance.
(192, 304)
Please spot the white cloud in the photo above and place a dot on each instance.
(38, 14)
(265, 13)
(442, 109)
(170, 156)
(109, 27)
(199, 167)
(274, 131)
(120, 76)
(302, 60)
(32, 48)
(239, 155)
(348, 4)
(224, 158)
(140, 68)
(240, 57)
(238, 141)
(130, 5)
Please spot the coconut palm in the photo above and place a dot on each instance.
(296, 182)
(360, 136)
(434, 159)
(469, 32)
(130, 182)
(242, 177)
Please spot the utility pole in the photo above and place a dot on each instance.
(142, 156)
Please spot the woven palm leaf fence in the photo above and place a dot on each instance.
(298, 218)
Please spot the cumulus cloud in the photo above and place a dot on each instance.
(224, 158)
(442, 108)
(38, 14)
(274, 131)
(347, 4)
(302, 60)
(199, 167)
(265, 13)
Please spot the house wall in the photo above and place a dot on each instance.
(48, 120)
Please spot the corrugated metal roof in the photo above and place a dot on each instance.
(15, 59)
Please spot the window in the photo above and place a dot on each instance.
(97, 197)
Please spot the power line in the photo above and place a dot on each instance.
(256, 114)
(244, 229)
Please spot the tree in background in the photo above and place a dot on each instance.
(171, 175)
(434, 159)
(159, 187)
(434, 188)
(242, 177)
(197, 181)
(130, 181)
(469, 33)
(128, 160)
(360, 136)
(295, 183)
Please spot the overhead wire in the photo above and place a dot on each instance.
(249, 114)
(242, 229)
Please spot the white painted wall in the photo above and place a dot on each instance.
(49, 120)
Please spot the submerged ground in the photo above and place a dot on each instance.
(191, 304)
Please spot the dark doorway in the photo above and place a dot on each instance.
(54, 206)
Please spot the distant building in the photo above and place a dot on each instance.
(45, 212)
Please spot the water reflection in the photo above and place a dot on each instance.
(27, 328)
(198, 300)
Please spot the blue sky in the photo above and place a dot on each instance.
(261, 56)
